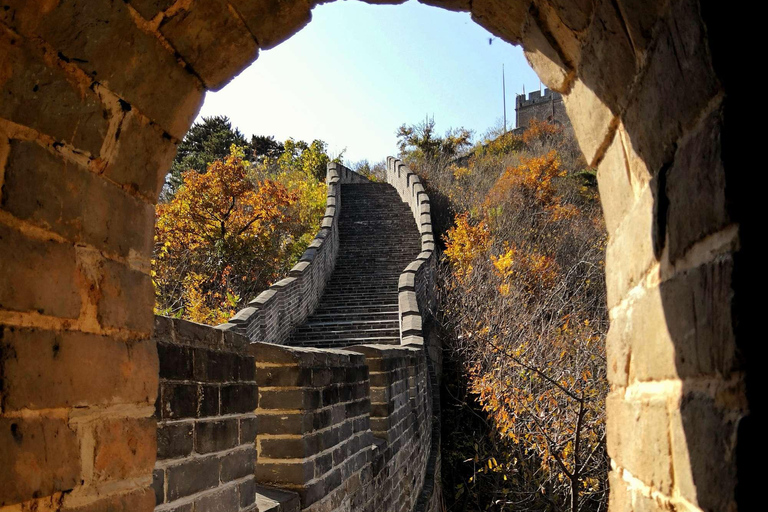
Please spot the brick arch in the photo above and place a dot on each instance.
(94, 97)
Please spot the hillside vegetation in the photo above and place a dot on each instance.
(235, 217)
(522, 313)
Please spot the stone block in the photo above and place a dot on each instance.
(223, 500)
(289, 448)
(289, 399)
(75, 203)
(142, 156)
(288, 423)
(695, 187)
(174, 440)
(192, 476)
(178, 400)
(238, 464)
(124, 448)
(500, 18)
(592, 120)
(608, 64)
(246, 369)
(630, 252)
(40, 456)
(37, 275)
(677, 84)
(141, 500)
(197, 334)
(175, 361)
(209, 401)
(247, 492)
(613, 179)
(408, 303)
(411, 324)
(682, 329)
(624, 498)
(127, 298)
(635, 429)
(158, 485)
(216, 435)
(44, 98)
(284, 376)
(239, 398)
(703, 438)
(274, 21)
(103, 40)
(640, 17)
(294, 473)
(43, 369)
(248, 430)
(545, 59)
(215, 366)
(212, 38)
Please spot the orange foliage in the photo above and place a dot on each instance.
(525, 296)
(215, 241)
(538, 130)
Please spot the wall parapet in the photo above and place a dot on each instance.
(276, 311)
(257, 426)
(416, 287)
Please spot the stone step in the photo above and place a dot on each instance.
(346, 342)
(345, 334)
(352, 316)
(378, 238)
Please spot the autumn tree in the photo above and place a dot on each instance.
(421, 142)
(263, 146)
(210, 140)
(221, 239)
(376, 172)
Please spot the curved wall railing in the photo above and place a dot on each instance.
(272, 315)
(416, 295)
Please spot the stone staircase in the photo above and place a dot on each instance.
(377, 240)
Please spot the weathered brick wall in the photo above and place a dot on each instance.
(206, 424)
(272, 315)
(331, 429)
(345, 429)
(547, 106)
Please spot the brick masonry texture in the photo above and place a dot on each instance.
(547, 106)
(94, 96)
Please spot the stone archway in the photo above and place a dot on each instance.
(94, 97)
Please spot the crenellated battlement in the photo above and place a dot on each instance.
(547, 106)
(537, 97)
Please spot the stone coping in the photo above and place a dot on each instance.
(415, 290)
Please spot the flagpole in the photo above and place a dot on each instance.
(504, 94)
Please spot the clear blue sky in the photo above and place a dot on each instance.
(358, 71)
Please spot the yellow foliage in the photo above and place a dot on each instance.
(464, 242)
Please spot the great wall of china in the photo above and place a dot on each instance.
(319, 395)
(94, 99)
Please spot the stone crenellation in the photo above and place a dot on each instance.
(543, 107)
